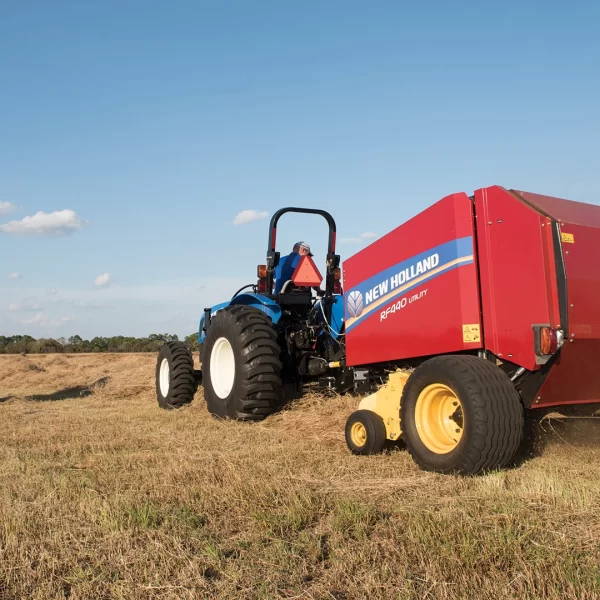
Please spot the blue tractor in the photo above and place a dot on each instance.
(273, 337)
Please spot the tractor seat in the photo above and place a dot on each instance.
(285, 270)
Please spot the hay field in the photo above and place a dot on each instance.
(104, 495)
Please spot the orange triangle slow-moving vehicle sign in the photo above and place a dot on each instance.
(306, 273)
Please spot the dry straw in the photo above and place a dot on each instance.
(103, 495)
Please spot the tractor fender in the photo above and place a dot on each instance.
(213, 311)
(263, 303)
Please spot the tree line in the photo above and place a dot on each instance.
(25, 344)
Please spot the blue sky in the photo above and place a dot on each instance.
(142, 129)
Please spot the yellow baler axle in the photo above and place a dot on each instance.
(385, 402)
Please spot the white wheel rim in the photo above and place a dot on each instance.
(164, 377)
(222, 367)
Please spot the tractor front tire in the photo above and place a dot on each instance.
(176, 379)
(241, 365)
(461, 414)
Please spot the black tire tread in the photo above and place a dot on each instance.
(375, 428)
(183, 376)
(496, 416)
(259, 389)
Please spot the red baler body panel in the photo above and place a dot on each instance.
(412, 292)
(575, 377)
(479, 273)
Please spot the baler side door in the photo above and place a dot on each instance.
(517, 268)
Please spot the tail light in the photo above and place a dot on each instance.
(547, 340)
(337, 281)
(262, 286)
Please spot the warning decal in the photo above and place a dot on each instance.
(471, 334)
(568, 238)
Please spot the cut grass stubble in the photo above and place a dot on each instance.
(103, 495)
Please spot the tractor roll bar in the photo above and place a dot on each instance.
(333, 260)
(312, 211)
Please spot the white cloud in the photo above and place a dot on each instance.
(26, 305)
(39, 318)
(44, 320)
(59, 222)
(116, 309)
(15, 276)
(6, 207)
(352, 240)
(368, 235)
(103, 280)
(52, 292)
(247, 216)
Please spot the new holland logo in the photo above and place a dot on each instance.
(355, 304)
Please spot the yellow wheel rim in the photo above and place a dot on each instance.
(439, 418)
(358, 434)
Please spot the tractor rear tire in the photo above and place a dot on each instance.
(241, 365)
(461, 414)
(176, 379)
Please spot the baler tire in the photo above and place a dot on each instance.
(256, 386)
(492, 415)
(176, 381)
(370, 427)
